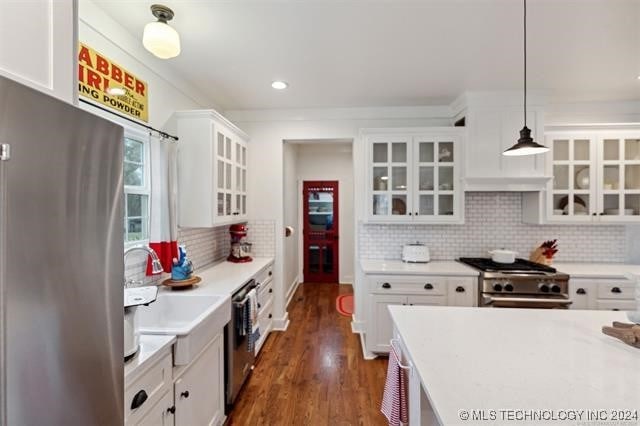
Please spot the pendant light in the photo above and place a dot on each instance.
(158, 37)
(525, 145)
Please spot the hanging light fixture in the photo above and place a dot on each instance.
(158, 37)
(525, 145)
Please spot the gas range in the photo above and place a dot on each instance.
(522, 284)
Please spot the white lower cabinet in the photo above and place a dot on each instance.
(161, 414)
(411, 291)
(199, 388)
(143, 396)
(602, 294)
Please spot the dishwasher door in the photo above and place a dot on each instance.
(239, 360)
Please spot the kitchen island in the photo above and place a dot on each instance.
(473, 366)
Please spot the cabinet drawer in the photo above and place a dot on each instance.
(265, 293)
(617, 290)
(265, 314)
(462, 292)
(264, 275)
(616, 305)
(154, 383)
(160, 414)
(430, 286)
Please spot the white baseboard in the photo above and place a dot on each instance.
(356, 326)
(365, 353)
(292, 290)
(281, 324)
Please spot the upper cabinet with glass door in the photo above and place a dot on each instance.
(596, 178)
(413, 176)
(212, 170)
(619, 177)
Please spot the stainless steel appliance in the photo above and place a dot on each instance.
(61, 263)
(522, 284)
(239, 359)
(415, 253)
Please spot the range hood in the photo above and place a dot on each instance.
(491, 120)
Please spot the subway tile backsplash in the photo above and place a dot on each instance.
(206, 246)
(494, 220)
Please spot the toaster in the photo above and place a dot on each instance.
(415, 253)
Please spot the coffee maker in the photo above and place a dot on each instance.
(240, 249)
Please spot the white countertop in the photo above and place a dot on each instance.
(472, 358)
(224, 278)
(598, 270)
(151, 349)
(221, 279)
(435, 267)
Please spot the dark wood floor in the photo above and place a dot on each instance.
(314, 373)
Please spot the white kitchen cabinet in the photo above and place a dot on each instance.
(596, 179)
(413, 175)
(199, 388)
(411, 290)
(161, 414)
(602, 294)
(149, 388)
(212, 170)
(38, 45)
(264, 280)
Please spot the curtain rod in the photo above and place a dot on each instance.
(160, 132)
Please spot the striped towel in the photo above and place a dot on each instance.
(394, 401)
(251, 320)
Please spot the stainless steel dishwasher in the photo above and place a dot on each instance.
(238, 359)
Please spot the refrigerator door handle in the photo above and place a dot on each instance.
(5, 152)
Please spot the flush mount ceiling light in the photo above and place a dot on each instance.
(279, 85)
(158, 37)
(525, 145)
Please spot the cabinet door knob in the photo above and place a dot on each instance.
(386, 285)
(259, 306)
(428, 286)
(270, 290)
(185, 394)
(460, 289)
(171, 409)
(409, 213)
(616, 290)
(139, 399)
(581, 291)
(270, 316)
(416, 213)
(270, 273)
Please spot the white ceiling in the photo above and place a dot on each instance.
(339, 53)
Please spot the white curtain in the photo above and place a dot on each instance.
(163, 226)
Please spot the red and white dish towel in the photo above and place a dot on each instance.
(394, 400)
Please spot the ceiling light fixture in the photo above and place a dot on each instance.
(158, 37)
(279, 85)
(525, 145)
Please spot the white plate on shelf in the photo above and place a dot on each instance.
(582, 178)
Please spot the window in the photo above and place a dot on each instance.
(137, 188)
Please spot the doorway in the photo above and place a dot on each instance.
(321, 231)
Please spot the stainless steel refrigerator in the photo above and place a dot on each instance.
(61, 263)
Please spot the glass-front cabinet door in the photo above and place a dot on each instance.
(573, 195)
(239, 178)
(619, 177)
(415, 177)
(224, 170)
(390, 178)
(436, 187)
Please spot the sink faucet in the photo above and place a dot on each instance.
(156, 266)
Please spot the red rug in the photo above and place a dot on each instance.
(344, 304)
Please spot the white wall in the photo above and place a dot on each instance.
(290, 218)
(168, 92)
(333, 161)
(268, 130)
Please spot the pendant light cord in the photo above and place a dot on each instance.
(525, 63)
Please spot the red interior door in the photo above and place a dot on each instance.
(320, 231)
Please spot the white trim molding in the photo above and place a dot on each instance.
(292, 290)
(281, 324)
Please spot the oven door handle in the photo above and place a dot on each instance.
(488, 300)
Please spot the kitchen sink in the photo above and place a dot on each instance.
(194, 319)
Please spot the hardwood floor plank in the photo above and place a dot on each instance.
(314, 373)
